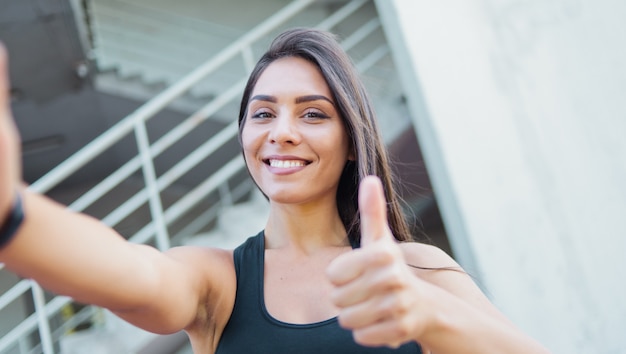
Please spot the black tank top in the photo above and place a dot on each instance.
(251, 329)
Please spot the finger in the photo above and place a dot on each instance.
(360, 315)
(376, 309)
(373, 210)
(377, 279)
(346, 268)
(388, 333)
(350, 266)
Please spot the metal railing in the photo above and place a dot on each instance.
(157, 230)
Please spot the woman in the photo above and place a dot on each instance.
(333, 270)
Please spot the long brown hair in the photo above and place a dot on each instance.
(355, 108)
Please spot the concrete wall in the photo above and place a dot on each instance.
(518, 107)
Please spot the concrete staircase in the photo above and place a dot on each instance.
(140, 47)
(143, 46)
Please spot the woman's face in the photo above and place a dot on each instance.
(294, 140)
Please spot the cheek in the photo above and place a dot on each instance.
(343, 148)
(250, 144)
(248, 141)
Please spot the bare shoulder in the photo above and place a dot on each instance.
(433, 265)
(423, 255)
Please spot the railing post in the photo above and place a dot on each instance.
(45, 334)
(149, 175)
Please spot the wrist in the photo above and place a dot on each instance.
(11, 222)
(443, 320)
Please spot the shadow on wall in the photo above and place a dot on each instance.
(416, 190)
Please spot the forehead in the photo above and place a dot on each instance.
(291, 76)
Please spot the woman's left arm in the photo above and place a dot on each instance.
(461, 313)
(386, 302)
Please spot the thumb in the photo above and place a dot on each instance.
(373, 210)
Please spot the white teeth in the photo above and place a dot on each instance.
(286, 163)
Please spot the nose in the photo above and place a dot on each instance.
(284, 131)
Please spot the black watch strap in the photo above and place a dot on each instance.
(12, 222)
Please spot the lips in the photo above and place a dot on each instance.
(285, 162)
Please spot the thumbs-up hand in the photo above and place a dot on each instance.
(9, 147)
(374, 289)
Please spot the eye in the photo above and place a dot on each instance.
(262, 115)
(315, 114)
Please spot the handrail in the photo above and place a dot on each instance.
(361, 33)
(339, 15)
(30, 323)
(193, 197)
(157, 148)
(160, 17)
(170, 176)
(150, 108)
(80, 317)
(197, 224)
(14, 292)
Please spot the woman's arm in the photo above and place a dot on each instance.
(460, 313)
(75, 255)
(384, 302)
(78, 256)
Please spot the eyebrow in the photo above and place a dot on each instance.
(264, 98)
(310, 98)
(300, 99)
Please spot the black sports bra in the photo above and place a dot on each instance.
(251, 329)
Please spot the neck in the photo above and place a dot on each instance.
(304, 226)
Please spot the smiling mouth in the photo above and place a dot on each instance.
(286, 163)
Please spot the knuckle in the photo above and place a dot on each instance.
(402, 328)
(381, 256)
(395, 306)
(403, 303)
(390, 280)
(389, 307)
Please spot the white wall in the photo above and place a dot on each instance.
(520, 110)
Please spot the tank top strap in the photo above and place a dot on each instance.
(248, 259)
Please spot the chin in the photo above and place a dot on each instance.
(286, 197)
(299, 196)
